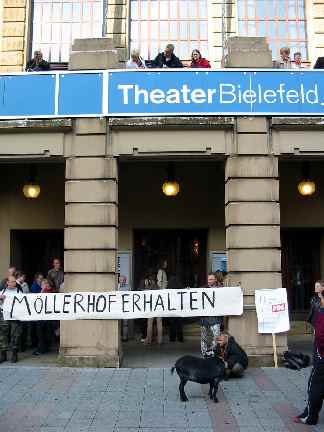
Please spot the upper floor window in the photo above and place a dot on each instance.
(283, 22)
(155, 23)
(56, 23)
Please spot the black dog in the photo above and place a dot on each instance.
(203, 371)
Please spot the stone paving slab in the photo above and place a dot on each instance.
(52, 399)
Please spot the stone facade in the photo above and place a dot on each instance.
(15, 26)
(13, 33)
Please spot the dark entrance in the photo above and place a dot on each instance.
(184, 250)
(33, 250)
(300, 267)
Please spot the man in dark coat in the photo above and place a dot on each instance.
(235, 358)
(37, 64)
(167, 59)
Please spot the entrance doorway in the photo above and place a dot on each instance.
(33, 250)
(184, 250)
(300, 267)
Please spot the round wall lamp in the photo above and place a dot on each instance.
(31, 189)
(306, 187)
(170, 185)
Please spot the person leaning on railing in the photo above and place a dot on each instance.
(197, 61)
(135, 61)
(167, 59)
(37, 64)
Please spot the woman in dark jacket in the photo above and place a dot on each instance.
(235, 358)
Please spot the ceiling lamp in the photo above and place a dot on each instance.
(31, 189)
(170, 186)
(306, 187)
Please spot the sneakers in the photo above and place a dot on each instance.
(302, 420)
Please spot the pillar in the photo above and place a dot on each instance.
(91, 223)
(252, 218)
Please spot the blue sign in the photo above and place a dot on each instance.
(220, 92)
(162, 93)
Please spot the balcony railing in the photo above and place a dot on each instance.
(166, 92)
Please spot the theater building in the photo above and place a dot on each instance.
(101, 207)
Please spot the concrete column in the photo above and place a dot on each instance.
(91, 221)
(252, 217)
(90, 242)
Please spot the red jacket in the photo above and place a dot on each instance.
(201, 63)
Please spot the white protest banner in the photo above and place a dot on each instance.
(272, 310)
(125, 305)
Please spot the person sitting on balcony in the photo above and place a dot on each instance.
(167, 59)
(298, 61)
(37, 64)
(284, 62)
(197, 61)
(135, 61)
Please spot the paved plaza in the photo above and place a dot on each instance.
(53, 399)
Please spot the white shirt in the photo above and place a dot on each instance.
(133, 65)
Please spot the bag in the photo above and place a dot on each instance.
(296, 361)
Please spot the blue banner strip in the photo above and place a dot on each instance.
(162, 92)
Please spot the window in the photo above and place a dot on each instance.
(283, 22)
(155, 23)
(56, 23)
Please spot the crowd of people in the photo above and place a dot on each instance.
(168, 59)
(17, 336)
(213, 341)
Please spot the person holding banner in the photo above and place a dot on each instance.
(316, 381)
(9, 330)
(210, 324)
(44, 328)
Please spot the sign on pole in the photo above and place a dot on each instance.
(272, 310)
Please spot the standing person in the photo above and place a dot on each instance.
(210, 324)
(37, 64)
(25, 325)
(150, 321)
(36, 285)
(135, 61)
(10, 331)
(11, 272)
(147, 282)
(316, 380)
(21, 280)
(44, 328)
(197, 61)
(284, 61)
(235, 358)
(35, 289)
(55, 276)
(315, 301)
(167, 59)
(176, 323)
